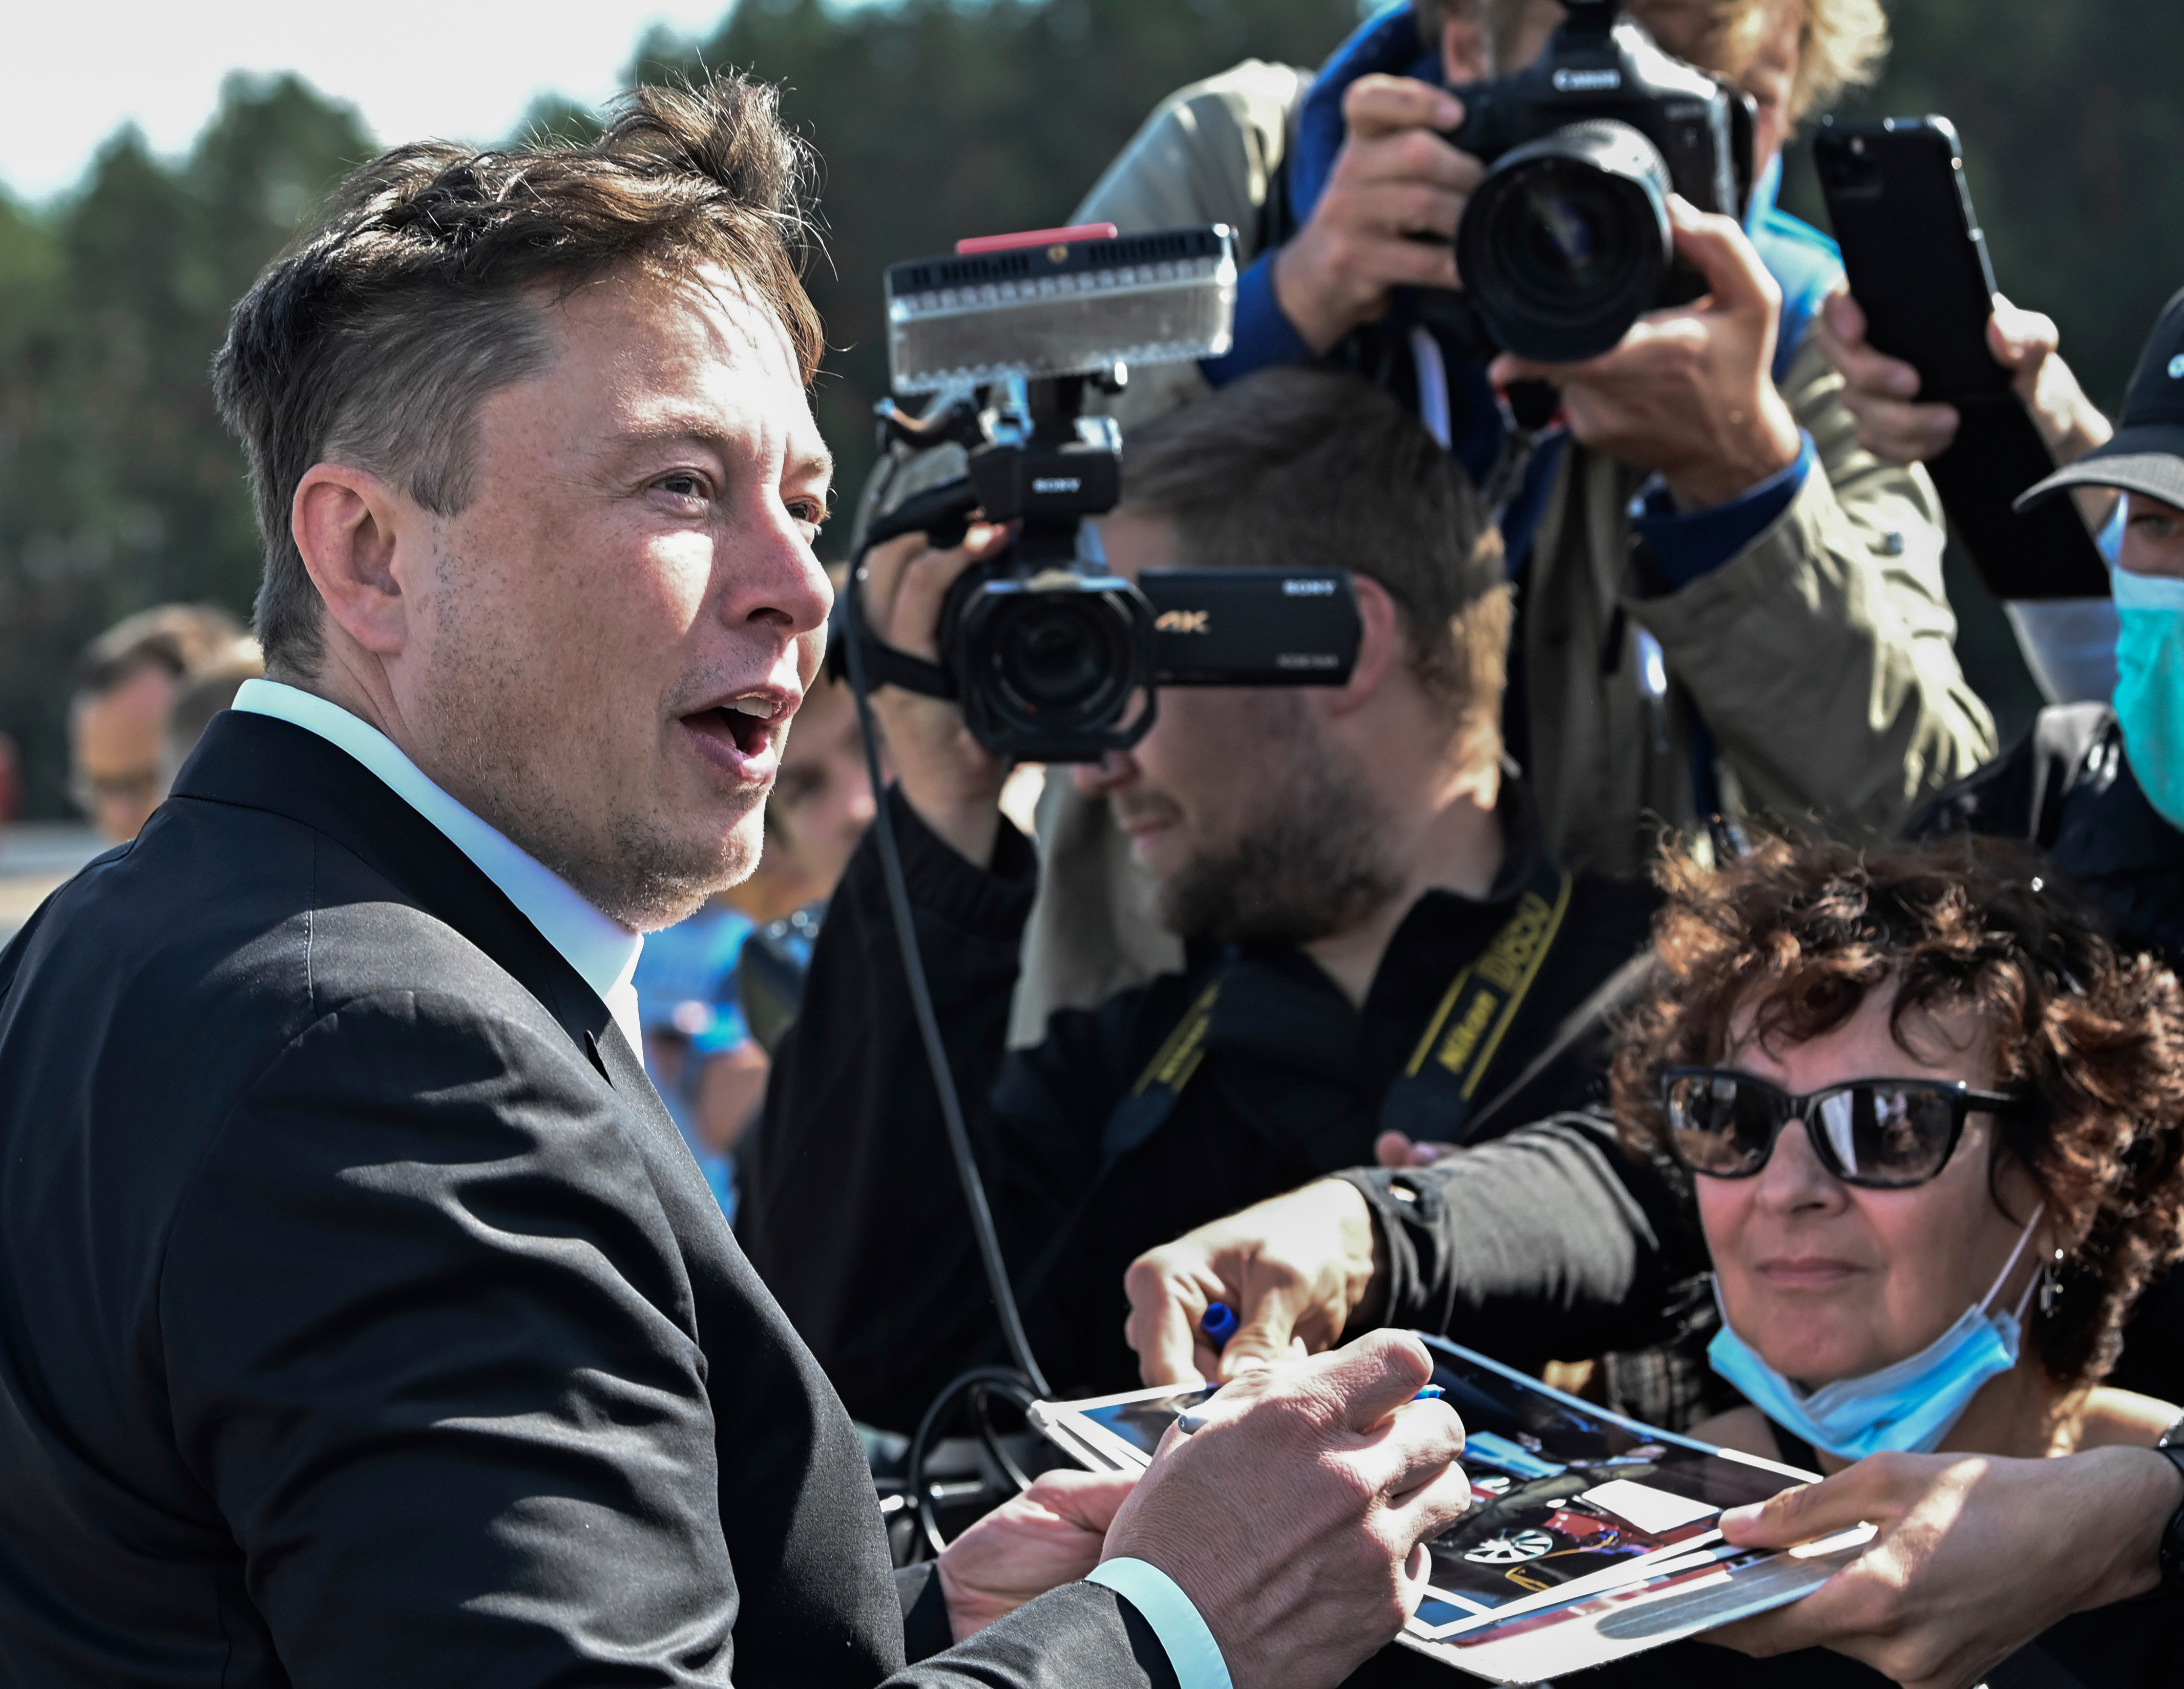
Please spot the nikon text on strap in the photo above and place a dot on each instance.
(1440, 1086)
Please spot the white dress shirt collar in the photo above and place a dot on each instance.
(601, 950)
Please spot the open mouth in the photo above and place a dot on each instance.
(739, 734)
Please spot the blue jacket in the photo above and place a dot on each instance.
(1803, 261)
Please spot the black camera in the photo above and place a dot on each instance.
(1053, 657)
(1567, 242)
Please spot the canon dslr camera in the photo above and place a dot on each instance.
(1567, 242)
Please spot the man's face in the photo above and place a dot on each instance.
(115, 738)
(609, 638)
(1248, 823)
(2152, 537)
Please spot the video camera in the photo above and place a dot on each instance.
(1567, 242)
(1046, 648)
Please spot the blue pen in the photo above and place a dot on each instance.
(1220, 1324)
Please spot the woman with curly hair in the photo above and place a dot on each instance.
(1930, 1121)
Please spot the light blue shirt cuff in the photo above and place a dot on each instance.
(1191, 1649)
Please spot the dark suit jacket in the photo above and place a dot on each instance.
(363, 1319)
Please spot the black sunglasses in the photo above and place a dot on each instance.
(1881, 1134)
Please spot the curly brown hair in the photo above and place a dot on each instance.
(1799, 930)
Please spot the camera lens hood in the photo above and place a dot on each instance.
(1567, 242)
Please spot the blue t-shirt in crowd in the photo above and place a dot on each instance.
(686, 990)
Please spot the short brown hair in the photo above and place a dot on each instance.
(1797, 932)
(376, 335)
(1299, 468)
(175, 638)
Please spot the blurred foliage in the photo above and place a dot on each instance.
(118, 486)
(935, 119)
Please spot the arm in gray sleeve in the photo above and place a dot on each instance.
(1549, 1243)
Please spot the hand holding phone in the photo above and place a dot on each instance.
(1898, 427)
(1941, 364)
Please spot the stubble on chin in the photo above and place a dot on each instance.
(532, 755)
(1310, 863)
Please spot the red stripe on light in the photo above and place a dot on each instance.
(1081, 231)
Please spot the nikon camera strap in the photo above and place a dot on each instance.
(1149, 1101)
(1440, 1084)
(1436, 1092)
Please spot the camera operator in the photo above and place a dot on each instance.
(1350, 867)
(1780, 641)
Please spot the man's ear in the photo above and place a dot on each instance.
(1382, 653)
(359, 539)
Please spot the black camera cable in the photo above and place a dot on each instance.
(913, 963)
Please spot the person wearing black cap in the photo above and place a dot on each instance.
(2100, 786)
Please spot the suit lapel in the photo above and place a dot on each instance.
(619, 1065)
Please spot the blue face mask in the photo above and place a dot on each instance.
(1908, 1408)
(2149, 693)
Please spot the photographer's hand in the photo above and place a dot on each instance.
(952, 782)
(1689, 391)
(1294, 1518)
(1395, 177)
(1882, 393)
(1294, 1268)
(1397, 1150)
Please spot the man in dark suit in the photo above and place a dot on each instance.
(363, 1318)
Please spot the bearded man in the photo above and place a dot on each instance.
(1376, 935)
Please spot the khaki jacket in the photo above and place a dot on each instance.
(1821, 656)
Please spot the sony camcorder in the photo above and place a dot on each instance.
(1053, 656)
(1567, 242)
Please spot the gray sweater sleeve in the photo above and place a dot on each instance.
(1550, 1243)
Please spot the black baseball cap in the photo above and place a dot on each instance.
(2147, 454)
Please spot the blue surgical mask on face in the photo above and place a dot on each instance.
(2149, 693)
(1909, 1407)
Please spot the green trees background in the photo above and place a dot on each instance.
(935, 119)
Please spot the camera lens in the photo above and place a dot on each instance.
(1567, 242)
(1046, 658)
(1051, 657)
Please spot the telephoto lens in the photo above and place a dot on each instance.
(1567, 242)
